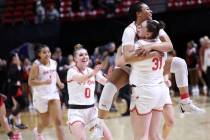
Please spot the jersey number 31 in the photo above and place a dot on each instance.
(157, 63)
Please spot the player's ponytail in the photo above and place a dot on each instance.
(161, 25)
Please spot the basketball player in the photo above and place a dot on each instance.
(138, 13)
(149, 92)
(43, 79)
(3, 121)
(82, 111)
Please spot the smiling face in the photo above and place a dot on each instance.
(81, 58)
(145, 13)
(44, 54)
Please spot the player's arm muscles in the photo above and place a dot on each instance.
(100, 78)
(130, 55)
(136, 58)
(119, 59)
(79, 77)
(33, 74)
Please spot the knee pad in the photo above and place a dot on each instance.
(107, 96)
(179, 68)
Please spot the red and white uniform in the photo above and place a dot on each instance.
(129, 35)
(82, 94)
(129, 38)
(43, 93)
(149, 91)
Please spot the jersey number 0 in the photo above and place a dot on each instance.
(87, 92)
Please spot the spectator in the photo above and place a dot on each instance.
(62, 72)
(206, 66)
(192, 63)
(3, 75)
(109, 7)
(14, 91)
(61, 62)
(52, 13)
(40, 12)
(109, 60)
(203, 46)
(26, 89)
(85, 5)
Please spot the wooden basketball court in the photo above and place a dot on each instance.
(189, 127)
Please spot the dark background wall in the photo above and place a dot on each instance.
(181, 26)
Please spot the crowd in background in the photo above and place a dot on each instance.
(44, 13)
(51, 12)
(198, 66)
(14, 76)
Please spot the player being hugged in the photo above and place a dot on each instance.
(149, 92)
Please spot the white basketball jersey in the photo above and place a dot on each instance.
(46, 72)
(149, 71)
(129, 36)
(80, 93)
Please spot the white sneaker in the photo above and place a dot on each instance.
(97, 132)
(186, 106)
(37, 135)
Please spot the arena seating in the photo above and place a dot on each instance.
(67, 13)
(180, 4)
(23, 11)
(18, 11)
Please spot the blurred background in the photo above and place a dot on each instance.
(63, 23)
(98, 25)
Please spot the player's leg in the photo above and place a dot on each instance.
(154, 133)
(168, 114)
(178, 66)
(77, 129)
(55, 113)
(43, 118)
(140, 125)
(117, 79)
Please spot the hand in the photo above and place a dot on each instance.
(65, 67)
(157, 54)
(61, 85)
(139, 51)
(97, 68)
(146, 50)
